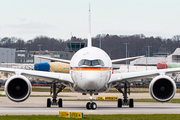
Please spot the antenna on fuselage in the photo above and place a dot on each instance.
(89, 35)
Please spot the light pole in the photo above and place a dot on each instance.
(148, 54)
(126, 50)
(148, 50)
(128, 61)
(39, 50)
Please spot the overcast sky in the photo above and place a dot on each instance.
(27, 19)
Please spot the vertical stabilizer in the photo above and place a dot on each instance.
(89, 35)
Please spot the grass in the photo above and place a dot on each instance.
(94, 117)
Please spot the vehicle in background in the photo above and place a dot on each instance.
(164, 65)
(58, 67)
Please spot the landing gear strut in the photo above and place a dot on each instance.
(54, 100)
(91, 105)
(125, 92)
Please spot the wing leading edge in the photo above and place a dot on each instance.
(125, 59)
(47, 76)
(133, 76)
(54, 59)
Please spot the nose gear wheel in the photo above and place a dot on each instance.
(91, 105)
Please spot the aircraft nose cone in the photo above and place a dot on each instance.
(91, 80)
(91, 83)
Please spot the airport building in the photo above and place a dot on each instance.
(7, 55)
(25, 56)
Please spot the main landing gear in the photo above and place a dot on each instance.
(125, 92)
(54, 100)
(91, 105)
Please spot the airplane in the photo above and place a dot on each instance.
(90, 72)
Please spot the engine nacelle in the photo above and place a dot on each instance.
(18, 88)
(162, 88)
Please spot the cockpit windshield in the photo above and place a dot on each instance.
(91, 62)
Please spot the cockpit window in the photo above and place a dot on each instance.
(95, 62)
(87, 62)
(91, 62)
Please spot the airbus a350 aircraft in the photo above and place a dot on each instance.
(90, 73)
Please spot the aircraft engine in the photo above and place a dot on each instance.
(18, 88)
(162, 88)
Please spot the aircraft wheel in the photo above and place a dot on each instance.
(131, 103)
(93, 105)
(48, 102)
(88, 105)
(119, 103)
(60, 102)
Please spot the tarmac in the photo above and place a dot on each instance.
(37, 105)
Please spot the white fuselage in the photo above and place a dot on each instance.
(90, 69)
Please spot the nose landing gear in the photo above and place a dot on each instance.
(91, 105)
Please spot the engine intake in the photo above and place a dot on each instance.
(18, 88)
(162, 88)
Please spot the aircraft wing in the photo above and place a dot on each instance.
(54, 59)
(125, 59)
(48, 76)
(133, 76)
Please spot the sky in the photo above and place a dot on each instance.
(61, 19)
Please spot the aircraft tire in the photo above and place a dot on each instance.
(119, 103)
(48, 102)
(88, 105)
(93, 105)
(131, 103)
(60, 102)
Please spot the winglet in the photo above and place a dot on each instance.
(89, 35)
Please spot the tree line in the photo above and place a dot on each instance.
(114, 45)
